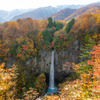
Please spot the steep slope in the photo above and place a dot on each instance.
(92, 8)
(62, 14)
(38, 13)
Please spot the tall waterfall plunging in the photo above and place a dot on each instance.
(51, 78)
(52, 89)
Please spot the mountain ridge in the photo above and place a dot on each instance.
(8, 15)
(62, 14)
(45, 13)
(57, 13)
(83, 10)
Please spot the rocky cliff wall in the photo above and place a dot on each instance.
(62, 58)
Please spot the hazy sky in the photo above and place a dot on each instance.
(25, 4)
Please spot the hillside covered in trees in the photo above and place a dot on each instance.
(25, 55)
(92, 8)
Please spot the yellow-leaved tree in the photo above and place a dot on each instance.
(7, 82)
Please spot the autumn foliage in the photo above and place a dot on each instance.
(90, 81)
(7, 82)
(21, 43)
(95, 61)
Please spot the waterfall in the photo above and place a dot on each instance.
(51, 77)
(52, 89)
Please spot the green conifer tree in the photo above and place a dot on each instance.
(70, 25)
(86, 50)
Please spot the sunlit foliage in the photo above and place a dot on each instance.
(7, 82)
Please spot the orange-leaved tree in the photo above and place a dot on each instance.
(95, 61)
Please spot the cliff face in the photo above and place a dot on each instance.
(61, 58)
(63, 63)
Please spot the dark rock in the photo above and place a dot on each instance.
(59, 77)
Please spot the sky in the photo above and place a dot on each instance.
(9, 5)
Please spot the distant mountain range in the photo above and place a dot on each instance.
(16, 12)
(37, 13)
(8, 15)
(42, 12)
(62, 12)
(92, 8)
(67, 14)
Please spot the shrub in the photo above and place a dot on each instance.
(41, 84)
